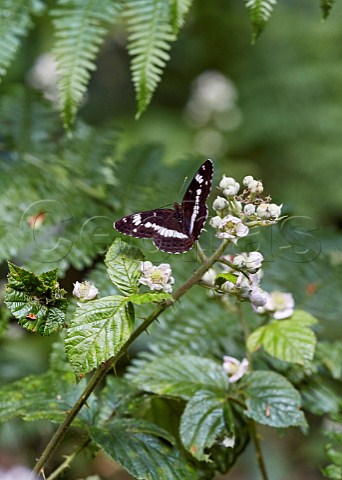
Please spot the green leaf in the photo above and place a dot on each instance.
(46, 396)
(143, 449)
(318, 398)
(150, 35)
(36, 300)
(272, 400)
(123, 265)
(181, 376)
(289, 340)
(330, 355)
(225, 277)
(97, 331)
(140, 298)
(203, 422)
(326, 6)
(260, 12)
(178, 10)
(15, 22)
(80, 31)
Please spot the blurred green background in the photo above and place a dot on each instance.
(272, 110)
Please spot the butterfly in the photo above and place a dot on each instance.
(174, 230)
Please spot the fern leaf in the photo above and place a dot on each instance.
(260, 12)
(15, 21)
(80, 32)
(178, 11)
(150, 35)
(326, 6)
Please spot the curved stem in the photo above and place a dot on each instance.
(68, 459)
(105, 367)
(258, 451)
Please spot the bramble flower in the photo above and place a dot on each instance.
(85, 291)
(249, 209)
(281, 305)
(251, 261)
(256, 187)
(209, 276)
(268, 211)
(247, 180)
(229, 227)
(234, 368)
(229, 186)
(220, 203)
(157, 277)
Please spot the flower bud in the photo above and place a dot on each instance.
(256, 187)
(249, 209)
(220, 203)
(247, 180)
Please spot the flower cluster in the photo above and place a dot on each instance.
(157, 277)
(246, 268)
(237, 212)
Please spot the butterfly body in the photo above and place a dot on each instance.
(174, 230)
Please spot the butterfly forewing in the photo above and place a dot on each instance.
(174, 230)
(193, 204)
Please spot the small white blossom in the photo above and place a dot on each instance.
(215, 222)
(234, 368)
(247, 180)
(17, 472)
(280, 304)
(229, 442)
(85, 291)
(258, 297)
(157, 277)
(229, 186)
(253, 261)
(249, 209)
(209, 276)
(268, 211)
(256, 187)
(231, 227)
(220, 203)
(275, 210)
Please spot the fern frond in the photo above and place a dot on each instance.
(260, 12)
(15, 21)
(80, 31)
(326, 6)
(150, 35)
(178, 11)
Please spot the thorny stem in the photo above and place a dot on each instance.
(253, 427)
(68, 460)
(101, 372)
(258, 452)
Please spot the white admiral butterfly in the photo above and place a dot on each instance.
(174, 230)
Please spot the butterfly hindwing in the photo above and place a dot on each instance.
(174, 230)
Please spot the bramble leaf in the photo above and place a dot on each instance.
(97, 331)
(123, 266)
(181, 376)
(36, 300)
(289, 340)
(145, 450)
(203, 422)
(272, 400)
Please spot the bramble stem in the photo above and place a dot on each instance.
(258, 451)
(101, 372)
